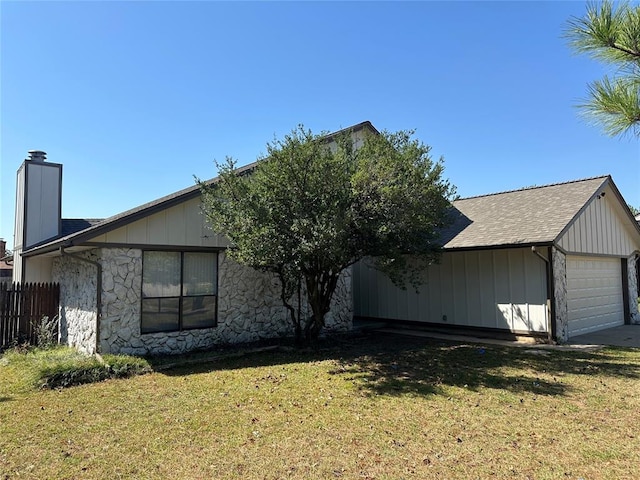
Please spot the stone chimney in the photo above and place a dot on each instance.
(3, 248)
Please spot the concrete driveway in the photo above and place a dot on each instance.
(623, 336)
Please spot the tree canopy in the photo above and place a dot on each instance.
(611, 35)
(316, 204)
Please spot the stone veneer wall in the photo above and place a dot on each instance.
(77, 281)
(249, 308)
(560, 295)
(633, 289)
(340, 317)
(121, 289)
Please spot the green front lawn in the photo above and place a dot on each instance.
(371, 408)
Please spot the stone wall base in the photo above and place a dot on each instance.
(249, 306)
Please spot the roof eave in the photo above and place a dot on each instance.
(46, 248)
(547, 243)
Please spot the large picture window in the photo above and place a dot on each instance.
(179, 291)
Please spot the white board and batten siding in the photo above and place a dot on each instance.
(499, 289)
(42, 219)
(179, 225)
(19, 220)
(602, 228)
(38, 210)
(37, 219)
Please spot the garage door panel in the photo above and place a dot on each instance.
(604, 292)
(594, 294)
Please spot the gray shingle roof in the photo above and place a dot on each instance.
(73, 225)
(528, 216)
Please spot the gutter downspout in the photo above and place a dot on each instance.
(551, 309)
(98, 291)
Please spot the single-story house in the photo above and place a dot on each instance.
(154, 279)
(555, 261)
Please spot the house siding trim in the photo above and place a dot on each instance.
(145, 246)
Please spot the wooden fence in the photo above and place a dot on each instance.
(23, 306)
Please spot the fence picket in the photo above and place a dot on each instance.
(23, 307)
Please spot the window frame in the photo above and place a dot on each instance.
(181, 296)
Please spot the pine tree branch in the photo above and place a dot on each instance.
(633, 53)
(611, 35)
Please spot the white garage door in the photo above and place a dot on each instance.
(594, 291)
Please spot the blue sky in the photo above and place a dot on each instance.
(134, 98)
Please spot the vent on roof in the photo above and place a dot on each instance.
(37, 156)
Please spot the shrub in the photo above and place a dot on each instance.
(61, 367)
(47, 332)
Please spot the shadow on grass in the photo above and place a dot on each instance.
(397, 365)
(5, 399)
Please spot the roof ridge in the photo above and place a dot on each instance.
(353, 128)
(523, 189)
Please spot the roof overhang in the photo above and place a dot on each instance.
(498, 247)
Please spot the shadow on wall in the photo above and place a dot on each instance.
(523, 317)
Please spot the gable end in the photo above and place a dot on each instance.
(602, 227)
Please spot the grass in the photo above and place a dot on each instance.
(64, 367)
(378, 407)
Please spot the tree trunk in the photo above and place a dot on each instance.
(295, 319)
(320, 289)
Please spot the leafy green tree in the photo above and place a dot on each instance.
(611, 35)
(316, 204)
(635, 211)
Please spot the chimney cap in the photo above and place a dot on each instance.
(37, 155)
